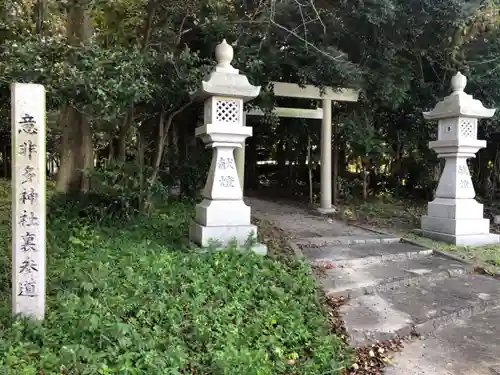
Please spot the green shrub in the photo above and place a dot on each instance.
(116, 194)
(190, 173)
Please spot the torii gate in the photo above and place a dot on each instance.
(292, 90)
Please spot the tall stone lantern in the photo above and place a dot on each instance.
(222, 216)
(454, 216)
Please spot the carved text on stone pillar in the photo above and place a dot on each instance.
(225, 163)
(226, 181)
(28, 200)
(27, 269)
(464, 184)
(464, 170)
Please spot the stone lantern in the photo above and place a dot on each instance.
(454, 216)
(222, 216)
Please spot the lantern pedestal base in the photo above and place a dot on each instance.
(458, 209)
(222, 236)
(461, 240)
(466, 232)
(456, 227)
(457, 221)
(217, 213)
(326, 211)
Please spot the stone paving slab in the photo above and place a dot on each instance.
(409, 288)
(345, 240)
(419, 308)
(299, 222)
(359, 254)
(368, 278)
(435, 299)
(468, 347)
(370, 318)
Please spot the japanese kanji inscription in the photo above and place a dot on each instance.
(28, 200)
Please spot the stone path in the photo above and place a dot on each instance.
(397, 289)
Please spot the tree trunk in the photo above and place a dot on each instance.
(77, 154)
(86, 153)
(122, 144)
(364, 171)
(38, 16)
(365, 183)
(163, 131)
(281, 159)
(5, 158)
(141, 147)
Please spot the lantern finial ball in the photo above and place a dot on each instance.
(458, 82)
(224, 54)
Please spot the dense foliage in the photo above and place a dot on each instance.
(119, 74)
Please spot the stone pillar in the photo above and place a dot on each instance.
(239, 157)
(326, 159)
(222, 216)
(28, 200)
(454, 216)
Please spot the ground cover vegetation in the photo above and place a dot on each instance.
(130, 296)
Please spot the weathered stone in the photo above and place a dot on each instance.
(436, 303)
(399, 290)
(421, 308)
(222, 217)
(363, 254)
(370, 238)
(467, 347)
(371, 318)
(28, 200)
(372, 277)
(454, 216)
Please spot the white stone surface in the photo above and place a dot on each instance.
(222, 216)
(223, 235)
(457, 227)
(463, 240)
(454, 215)
(222, 212)
(325, 197)
(223, 182)
(455, 208)
(225, 80)
(459, 104)
(290, 112)
(28, 200)
(326, 211)
(292, 90)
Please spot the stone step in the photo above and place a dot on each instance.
(419, 309)
(346, 240)
(344, 255)
(466, 347)
(367, 278)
